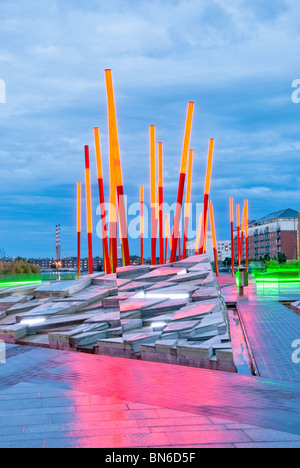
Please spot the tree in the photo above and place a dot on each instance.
(282, 258)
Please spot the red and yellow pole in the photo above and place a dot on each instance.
(206, 194)
(198, 235)
(78, 228)
(238, 231)
(247, 233)
(187, 203)
(89, 209)
(106, 262)
(232, 235)
(183, 169)
(160, 202)
(153, 194)
(142, 223)
(242, 233)
(214, 238)
(168, 237)
(116, 162)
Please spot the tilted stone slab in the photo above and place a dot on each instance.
(200, 275)
(65, 340)
(181, 327)
(58, 322)
(166, 306)
(208, 324)
(161, 285)
(26, 306)
(160, 274)
(108, 280)
(204, 294)
(134, 286)
(204, 267)
(63, 288)
(132, 305)
(50, 309)
(194, 312)
(20, 290)
(112, 318)
(295, 306)
(12, 333)
(165, 318)
(128, 325)
(225, 355)
(133, 342)
(132, 271)
(195, 349)
(210, 281)
(192, 261)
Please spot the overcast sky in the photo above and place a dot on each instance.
(236, 59)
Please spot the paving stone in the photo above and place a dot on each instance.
(50, 309)
(160, 274)
(111, 318)
(62, 288)
(132, 305)
(132, 271)
(194, 312)
(128, 325)
(12, 333)
(134, 286)
(205, 293)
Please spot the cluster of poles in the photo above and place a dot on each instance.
(170, 241)
(242, 225)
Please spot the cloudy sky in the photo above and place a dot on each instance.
(236, 59)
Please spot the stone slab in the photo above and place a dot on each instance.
(192, 312)
(62, 288)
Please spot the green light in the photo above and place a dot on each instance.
(19, 283)
(279, 280)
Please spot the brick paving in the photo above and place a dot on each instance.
(53, 399)
(271, 329)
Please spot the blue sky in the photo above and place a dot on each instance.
(236, 59)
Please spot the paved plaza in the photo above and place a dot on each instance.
(54, 398)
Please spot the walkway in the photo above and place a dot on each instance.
(51, 398)
(271, 329)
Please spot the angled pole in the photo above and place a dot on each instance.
(167, 237)
(247, 233)
(188, 203)
(89, 209)
(214, 238)
(106, 262)
(238, 231)
(206, 194)
(232, 235)
(242, 233)
(116, 161)
(153, 194)
(78, 228)
(160, 202)
(142, 223)
(198, 238)
(182, 177)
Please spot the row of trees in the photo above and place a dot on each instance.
(18, 267)
(280, 260)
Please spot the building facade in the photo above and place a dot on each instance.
(272, 235)
(224, 248)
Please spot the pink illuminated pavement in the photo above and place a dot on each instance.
(50, 398)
